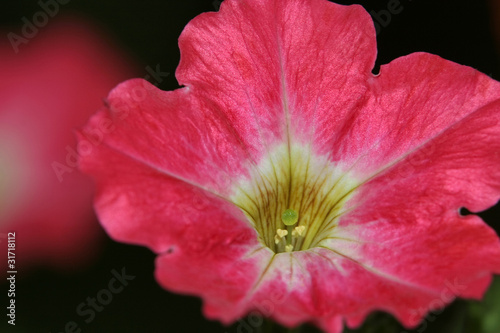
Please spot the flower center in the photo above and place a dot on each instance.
(294, 199)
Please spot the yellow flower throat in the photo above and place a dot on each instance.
(294, 199)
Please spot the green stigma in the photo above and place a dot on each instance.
(289, 217)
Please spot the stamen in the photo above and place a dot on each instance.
(293, 197)
(299, 231)
(277, 239)
(289, 218)
(281, 232)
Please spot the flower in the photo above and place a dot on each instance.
(285, 178)
(47, 89)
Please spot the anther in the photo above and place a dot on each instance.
(281, 232)
(299, 231)
(289, 218)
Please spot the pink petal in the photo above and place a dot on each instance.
(412, 101)
(155, 209)
(251, 60)
(210, 152)
(422, 138)
(48, 89)
(205, 248)
(422, 265)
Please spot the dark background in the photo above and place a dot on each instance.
(460, 31)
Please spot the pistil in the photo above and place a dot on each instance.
(289, 218)
(293, 198)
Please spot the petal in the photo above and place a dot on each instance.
(407, 272)
(326, 287)
(205, 247)
(252, 80)
(407, 220)
(415, 99)
(408, 215)
(221, 274)
(179, 134)
(46, 90)
(259, 61)
(154, 209)
(452, 257)
(223, 126)
(457, 169)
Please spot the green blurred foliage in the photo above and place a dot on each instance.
(484, 316)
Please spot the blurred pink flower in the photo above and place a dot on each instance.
(47, 89)
(285, 177)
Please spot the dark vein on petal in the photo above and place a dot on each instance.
(382, 274)
(165, 172)
(261, 277)
(254, 252)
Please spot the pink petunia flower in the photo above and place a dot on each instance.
(284, 177)
(47, 89)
